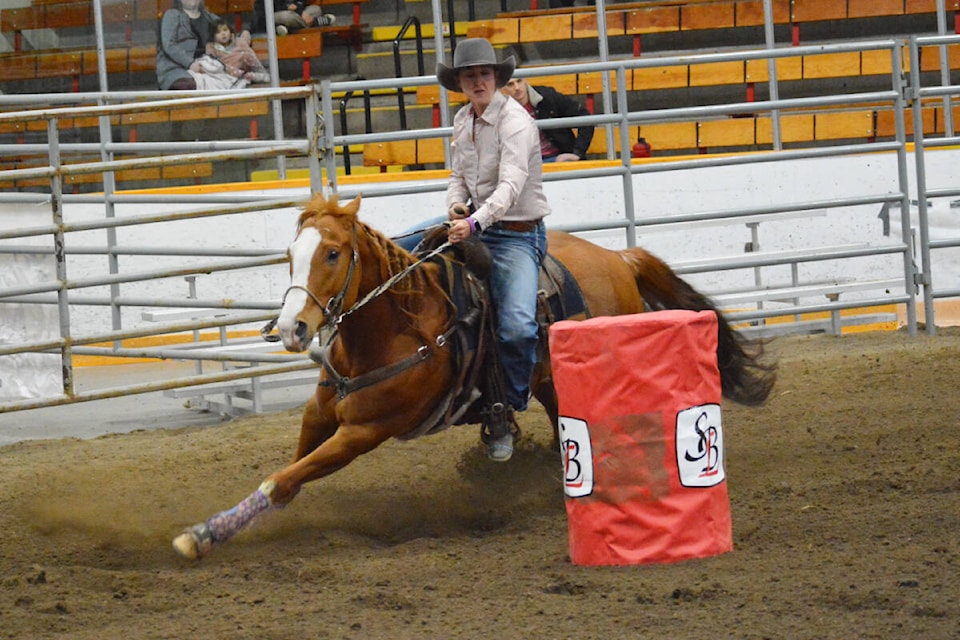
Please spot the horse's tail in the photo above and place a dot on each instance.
(745, 377)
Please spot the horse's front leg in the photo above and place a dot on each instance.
(319, 421)
(346, 444)
(318, 424)
(336, 452)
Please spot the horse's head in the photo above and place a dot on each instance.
(322, 264)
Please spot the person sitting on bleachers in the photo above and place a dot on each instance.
(541, 102)
(291, 15)
(236, 54)
(184, 32)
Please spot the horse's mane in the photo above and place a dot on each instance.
(408, 291)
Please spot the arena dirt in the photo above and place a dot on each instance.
(844, 492)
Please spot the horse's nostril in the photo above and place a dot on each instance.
(301, 332)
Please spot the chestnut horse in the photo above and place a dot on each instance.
(389, 311)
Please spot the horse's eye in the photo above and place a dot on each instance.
(333, 256)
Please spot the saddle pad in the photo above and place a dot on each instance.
(561, 291)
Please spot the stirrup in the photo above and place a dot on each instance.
(498, 431)
(497, 421)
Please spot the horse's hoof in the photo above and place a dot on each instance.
(186, 545)
(194, 542)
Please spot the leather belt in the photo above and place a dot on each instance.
(517, 225)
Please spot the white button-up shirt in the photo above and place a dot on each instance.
(496, 163)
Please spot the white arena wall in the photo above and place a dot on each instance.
(574, 202)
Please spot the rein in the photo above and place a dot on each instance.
(389, 282)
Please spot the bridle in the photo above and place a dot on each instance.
(334, 315)
(332, 311)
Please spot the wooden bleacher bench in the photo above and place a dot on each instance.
(793, 68)
(751, 131)
(132, 122)
(244, 109)
(723, 13)
(308, 43)
(637, 19)
(195, 171)
(72, 14)
(409, 153)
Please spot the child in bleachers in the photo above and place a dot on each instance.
(236, 54)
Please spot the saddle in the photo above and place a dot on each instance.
(478, 395)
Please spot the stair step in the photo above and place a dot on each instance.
(389, 33)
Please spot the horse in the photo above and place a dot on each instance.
(389, 363)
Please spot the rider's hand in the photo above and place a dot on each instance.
(458, 211)
(459, 231)
(567, 157)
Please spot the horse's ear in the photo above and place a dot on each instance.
(353, 206)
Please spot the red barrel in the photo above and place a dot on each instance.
(641, 437)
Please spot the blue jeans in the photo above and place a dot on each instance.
(410, 242)
(514, 281)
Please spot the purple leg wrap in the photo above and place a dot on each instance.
(226, 523)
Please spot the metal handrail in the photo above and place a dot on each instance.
(398, 67)
(344, 127)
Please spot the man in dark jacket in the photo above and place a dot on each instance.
(556, 145)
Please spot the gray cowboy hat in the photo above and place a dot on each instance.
(474, 52)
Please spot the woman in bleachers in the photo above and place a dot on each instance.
(184, 32)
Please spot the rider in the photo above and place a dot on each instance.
(496, 168)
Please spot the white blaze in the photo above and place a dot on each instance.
(301, 255)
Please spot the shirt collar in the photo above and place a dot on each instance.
(533, 95)
(492, 112)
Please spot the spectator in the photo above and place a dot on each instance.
(236, 53)
(292, 15)
(184, 32)
(541, 102)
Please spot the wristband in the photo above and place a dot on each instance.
(474, 227)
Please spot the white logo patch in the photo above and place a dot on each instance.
(700, 446)
(577, 457)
